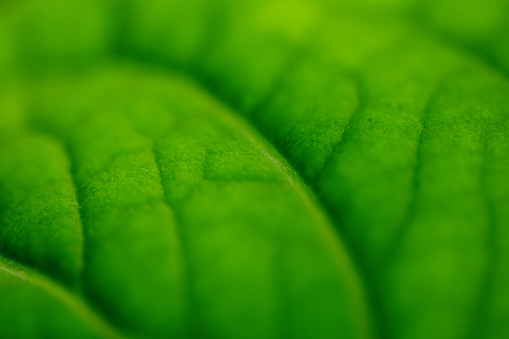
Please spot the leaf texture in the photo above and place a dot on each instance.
(138, 174)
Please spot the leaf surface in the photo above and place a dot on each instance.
(142, 178)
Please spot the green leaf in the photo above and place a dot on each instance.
(254, 169)
(170, 216)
